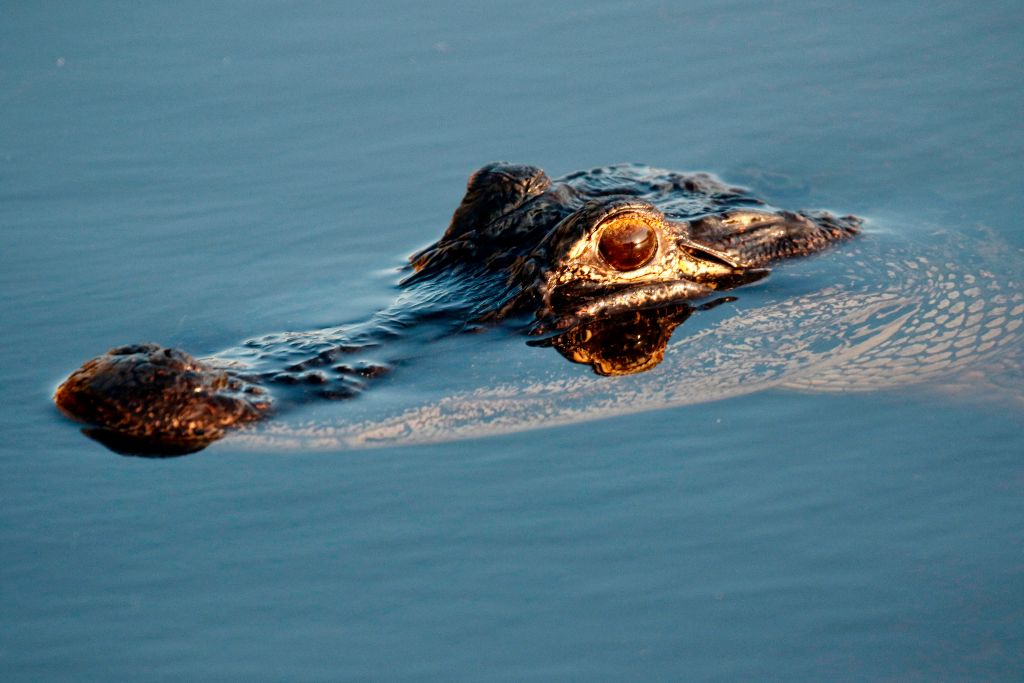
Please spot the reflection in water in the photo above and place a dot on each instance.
(125, 444)
(624, 344)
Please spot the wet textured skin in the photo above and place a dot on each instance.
(580, 258)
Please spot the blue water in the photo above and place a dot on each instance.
(196, 175)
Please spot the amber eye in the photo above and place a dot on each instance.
(627, 244)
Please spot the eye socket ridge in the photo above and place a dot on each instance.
(627, 241)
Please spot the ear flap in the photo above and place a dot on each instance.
(493, 191)
(757, 238)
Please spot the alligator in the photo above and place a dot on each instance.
(601, 265)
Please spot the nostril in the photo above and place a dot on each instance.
(156, 395)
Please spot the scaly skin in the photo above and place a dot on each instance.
(627, 244)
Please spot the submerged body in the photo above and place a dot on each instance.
(621, 248)
(894, 315)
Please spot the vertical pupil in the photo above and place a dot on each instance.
(627, 245)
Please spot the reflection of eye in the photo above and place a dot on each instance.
(628, 244)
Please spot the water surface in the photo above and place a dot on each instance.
(196, 175)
